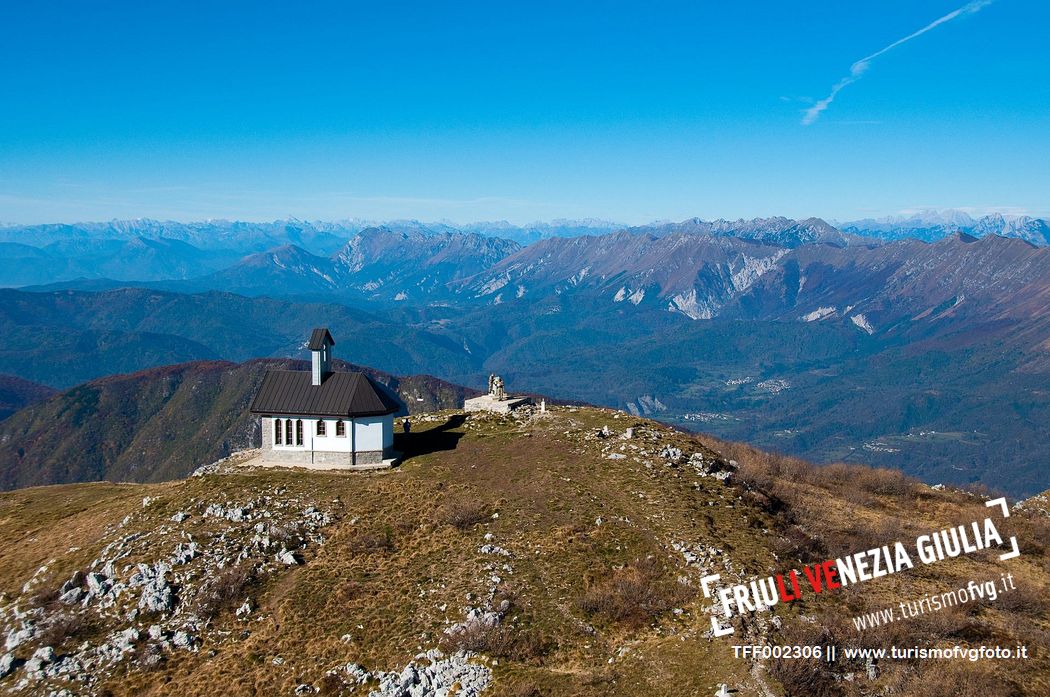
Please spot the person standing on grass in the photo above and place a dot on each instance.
(407, 425)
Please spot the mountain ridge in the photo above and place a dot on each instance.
(154, 251)
(16, 393)
(161, 423)
(932, 225)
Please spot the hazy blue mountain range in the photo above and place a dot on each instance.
(930, 357)
(780, 231)
(149, 251)
(935, 225)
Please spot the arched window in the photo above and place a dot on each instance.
(278, 432)
(321, 427)
(340, 429)
(288, 439)
(298, 431)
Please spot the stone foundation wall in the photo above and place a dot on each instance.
(322, 459)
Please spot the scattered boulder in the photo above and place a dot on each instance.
(356, 673)
(125, 640)
(45, 654)
(101, 594)
(71, 596)
(671, 453)
(16, 638)
(97, 584)
(184, 640)
(437, 678)
(75, 581)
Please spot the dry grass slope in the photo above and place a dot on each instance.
(567, 549)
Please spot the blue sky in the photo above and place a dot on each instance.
(519, 111)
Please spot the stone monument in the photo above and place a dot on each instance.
(496, 399)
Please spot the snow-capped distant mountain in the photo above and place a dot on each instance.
(933, 225)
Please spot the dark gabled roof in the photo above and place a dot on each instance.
(319, 338)
(340, 394)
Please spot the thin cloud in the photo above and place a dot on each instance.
(857, 70)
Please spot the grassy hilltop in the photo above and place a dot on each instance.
(540, 555)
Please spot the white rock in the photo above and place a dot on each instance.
(17, 638)
(156, 596)
(96, 583)
(671, 453)
(7, 662)
(125, 641)
(409, 677)
(185, 553)
(34, 668)
(75, 581)
(46, 654)
(183, 640)
(71, 596)
(357, 673)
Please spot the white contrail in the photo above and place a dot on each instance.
(857, 69)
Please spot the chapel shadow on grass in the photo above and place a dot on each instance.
(432, 440)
